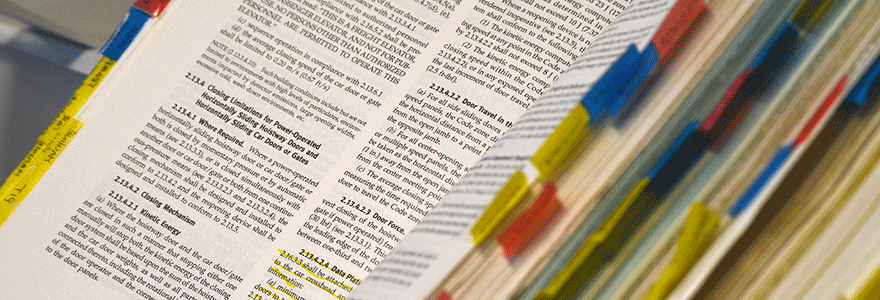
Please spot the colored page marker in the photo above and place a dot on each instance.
(782, 154)
(504, 202)
(126, 32)
(12, 195)
(868, 82)
(687, 149)
(444, 295)
(525, 228)
(870, 289)
(809, 12)
(683, 15)
(821, 112)
(85, 90)
(592, 253)
(696, 235)
(152, 7)
(609, 85)
(565, 138)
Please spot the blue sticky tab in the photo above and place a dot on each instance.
(609, 85)
(639, 71)
(126, 32)
(755, 188)
(776, 52)
(860, 91)
(682, 137)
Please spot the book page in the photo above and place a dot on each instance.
(443, 238)
(281, 148)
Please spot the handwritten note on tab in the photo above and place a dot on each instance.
(12, 193)
(125, 33)
(152, 7)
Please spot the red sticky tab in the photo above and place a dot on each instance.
(722, 104)
(835, 93)
(444, 295)
(523, 230)
(676, 24)
(152, 7)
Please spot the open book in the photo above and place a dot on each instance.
(248, 148)
(542, 149)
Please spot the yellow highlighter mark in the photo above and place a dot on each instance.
(300, 263)
(562, 141)
(504, 202)
(280, 290)
(308, 279)
(284, 277)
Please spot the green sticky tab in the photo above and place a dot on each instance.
(505, 201)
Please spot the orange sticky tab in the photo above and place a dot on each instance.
(712, 118)
(523, 230)
(836, 93)
(444, 295)
(676, 24)
(152, 7)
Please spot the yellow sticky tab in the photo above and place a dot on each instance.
(696, 235)
(808, 13)
(13, 196)
(504, 202)
(14, 190)
(569, 276)
(871, 288)
(562, 141)
(79, 98)
(4, 190)
(52, 149)
(23, 165)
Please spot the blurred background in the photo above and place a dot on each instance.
(46, 49)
